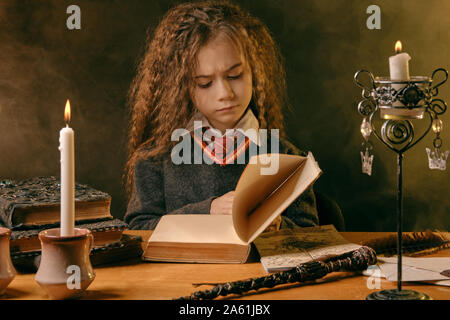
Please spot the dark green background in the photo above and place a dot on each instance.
(325, 42)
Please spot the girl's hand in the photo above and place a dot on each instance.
(223, 204)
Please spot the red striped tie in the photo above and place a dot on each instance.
(223, 146)
(223, 150)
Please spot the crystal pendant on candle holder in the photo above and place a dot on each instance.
(367, 160)
(437, 160)
(366, 157)
(437, 125)
(366, 129)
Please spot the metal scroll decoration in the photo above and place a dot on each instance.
(400, 102)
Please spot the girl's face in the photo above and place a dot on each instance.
(223, 83)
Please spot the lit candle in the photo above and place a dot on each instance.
(398, 64)
(399, 68)
(66, 146)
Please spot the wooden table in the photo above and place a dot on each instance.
(143, 280)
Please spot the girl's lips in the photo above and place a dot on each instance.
(227, 108)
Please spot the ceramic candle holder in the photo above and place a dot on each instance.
(65, 270)
(7, 271)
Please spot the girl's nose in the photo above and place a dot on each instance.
(225, 90)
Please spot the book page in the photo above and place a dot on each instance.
(430, 270)
(283, 262)
(253, 188)
(436, 264)
(415, 269)
(295, 175)
(287, 248)
(196, 228)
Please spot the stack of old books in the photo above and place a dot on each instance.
(30, 206)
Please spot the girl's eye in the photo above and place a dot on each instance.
(235, 77)
(204, 85)
(208, 84)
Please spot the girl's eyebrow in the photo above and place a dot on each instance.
(229, 69)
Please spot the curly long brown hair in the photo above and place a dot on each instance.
(159, 97)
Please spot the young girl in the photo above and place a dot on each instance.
(213, 64)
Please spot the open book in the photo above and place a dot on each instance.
(258, 200)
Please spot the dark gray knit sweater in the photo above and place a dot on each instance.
(161, 187)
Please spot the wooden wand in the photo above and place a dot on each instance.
(357, 260)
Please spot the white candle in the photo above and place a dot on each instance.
(399, 68)
(66, 146)
(399, 64)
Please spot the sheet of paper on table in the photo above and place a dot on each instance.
(427, 270)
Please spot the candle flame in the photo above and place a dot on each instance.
(67, 112)
(398, 47)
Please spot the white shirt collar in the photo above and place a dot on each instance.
(248, 121)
